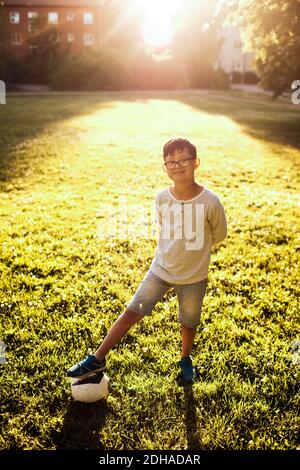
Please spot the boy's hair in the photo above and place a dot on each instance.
(179, 144)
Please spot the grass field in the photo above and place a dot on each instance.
(65, 162)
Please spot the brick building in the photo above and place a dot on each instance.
(79, 23)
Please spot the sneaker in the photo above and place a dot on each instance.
(188, 372)
(88, 366)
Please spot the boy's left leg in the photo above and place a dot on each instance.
(190, 298)
(188, 371)
(187, 336)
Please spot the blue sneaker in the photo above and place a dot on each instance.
(88, 366)
(188, 372)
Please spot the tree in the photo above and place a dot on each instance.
(4, 32)
(44, 53)
(196, 44)
(43, 39)
(271, 30)
(4, 38)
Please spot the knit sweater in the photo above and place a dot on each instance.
(187, 231)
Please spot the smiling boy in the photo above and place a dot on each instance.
(191, 219)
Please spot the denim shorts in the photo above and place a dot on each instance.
(189, 296)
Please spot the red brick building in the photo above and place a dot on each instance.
(79, 23)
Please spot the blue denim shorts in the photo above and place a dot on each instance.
(189, 296)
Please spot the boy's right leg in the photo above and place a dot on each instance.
(150, 290)
(96, 362)
(121, 326)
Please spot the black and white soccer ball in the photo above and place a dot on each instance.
(91, 389)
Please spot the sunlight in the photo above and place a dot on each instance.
(158, 23)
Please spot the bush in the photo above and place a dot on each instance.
(236, 77)
(35, 70)
(90, 71)
(4, 74)
(149, 72)
(116, 69)
(250, 77)
(220, 80)
(203, 75)
(113, 69)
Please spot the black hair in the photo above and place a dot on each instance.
(179, 144)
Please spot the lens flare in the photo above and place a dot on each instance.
(158, 27)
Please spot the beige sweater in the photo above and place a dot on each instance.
(187, 231)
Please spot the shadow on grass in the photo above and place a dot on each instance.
(192, 432)
(259, 116)
(261, 119)
(26, 117)
(81, 427)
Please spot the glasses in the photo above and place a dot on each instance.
(171, 164)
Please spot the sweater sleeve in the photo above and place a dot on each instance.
(158, 217)
(217, 220)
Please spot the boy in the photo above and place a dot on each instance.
(178, 262)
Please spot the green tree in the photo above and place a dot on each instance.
(271, 29)
(44, 50)
(43, 39)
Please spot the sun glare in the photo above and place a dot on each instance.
(158, 21)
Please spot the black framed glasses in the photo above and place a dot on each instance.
(184, 162)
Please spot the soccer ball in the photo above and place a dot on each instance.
(90, 389)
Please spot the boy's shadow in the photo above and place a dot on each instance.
(192, 429)
(81, 427)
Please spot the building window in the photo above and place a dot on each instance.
(14, 17)
(71, 37)
(31, 15)
(52, 17)
(88, 18)
(53, 38)
(88, 39)
(70, 16)
(16, 39)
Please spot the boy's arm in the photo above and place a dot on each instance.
(218, 222)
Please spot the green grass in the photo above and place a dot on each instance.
(65, 162)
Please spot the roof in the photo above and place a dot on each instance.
(54, 3)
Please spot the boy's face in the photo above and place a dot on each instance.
(181, 173)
